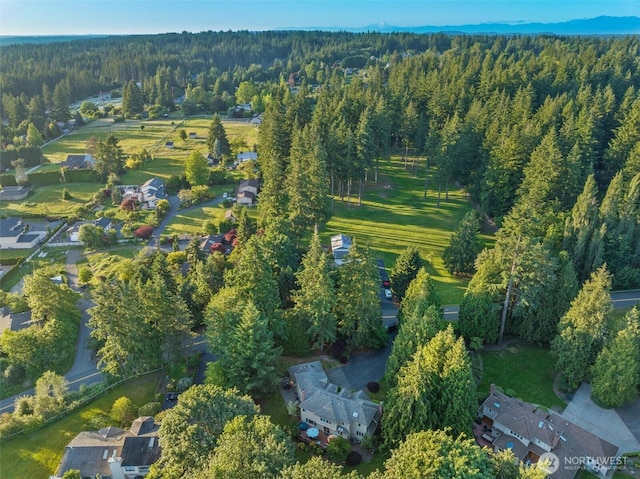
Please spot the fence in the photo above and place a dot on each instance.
(76, 405)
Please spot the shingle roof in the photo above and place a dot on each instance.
(325, 400)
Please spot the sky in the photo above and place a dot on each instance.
(79, 17)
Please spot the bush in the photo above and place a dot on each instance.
(337, 348)
(373, 387)
(353, 458)
(150, 409)
(123, 410)
(8, 180)
(144, 232)
(65, 194)
(338, 449)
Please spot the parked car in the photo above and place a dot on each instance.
(388, 294)
(225, 195)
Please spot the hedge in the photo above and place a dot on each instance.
(44, 178)
(8, 180)
(80, 176)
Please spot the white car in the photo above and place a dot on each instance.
(225, 195)
(388, 294)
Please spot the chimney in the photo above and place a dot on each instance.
(492, 388)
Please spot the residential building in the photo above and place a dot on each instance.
(74, 231)
(78, 162)
(16, 235)
(14, 321)
(246, 156)
(147, 195)
(247, 192)
(532, 432)
(340, 246)
(113, 453)
(14, 193)
(334, 411)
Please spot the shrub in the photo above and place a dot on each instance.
(337, 348)
(65, 194)
(150, 409)
(353, 458)
(373, 387)
(123, 410)
(144, 232)
(338, 449)
(129, 204)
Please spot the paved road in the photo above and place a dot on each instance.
(84, 369)
(625, 299)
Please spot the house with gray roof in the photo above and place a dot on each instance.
(14, 321)
(329, 408)
(14, 193)
(78, 162)
(340, 247)
(533, 433)
(113, 453)
(16, 235)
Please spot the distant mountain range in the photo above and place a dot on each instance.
(590, 26)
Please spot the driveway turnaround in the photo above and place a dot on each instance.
(605, 423)
(363, 367)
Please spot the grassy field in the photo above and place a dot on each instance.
(394, 215)
(37, 455)
(529, 371)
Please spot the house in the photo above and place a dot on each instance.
(147, 195)
(74, 231)
(340, 246)
(15, 235)
(245, 198)
(246, 156)
(14, 321)
(152, 191)
(206, 242)
(14, 193)
(249, 185)
(78, 162)
(112, 452)
(333, 411)
(531, 433)
(247, 192)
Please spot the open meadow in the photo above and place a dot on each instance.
(394, 215)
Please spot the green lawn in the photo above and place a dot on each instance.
(37, 455)
(47, 200)
(394, 215)
(529, 371)
(191, 222)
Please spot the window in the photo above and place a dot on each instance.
(358, 433)
(129, 469)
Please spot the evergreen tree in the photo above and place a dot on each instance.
(217, 132)
(435, 390)
(583, 234)
(616, 372)
(358, 301)
(420, 294)
(479, 317)
(132, 100)
(405, 270)
(273, 153)
(416, 330)
(583, 329)
(464, 246)
(316, 298)
(108, 157)
(250, 359)
(306, 184)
